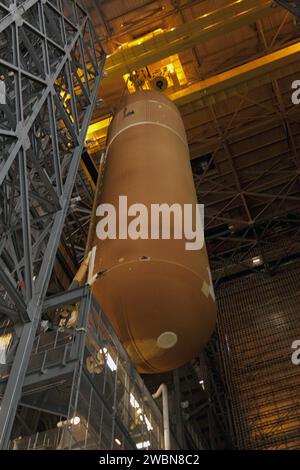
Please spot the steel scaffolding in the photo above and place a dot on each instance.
(51, 66)
(258, 323)
(83, 377)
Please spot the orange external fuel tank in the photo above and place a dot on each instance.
(157, 295)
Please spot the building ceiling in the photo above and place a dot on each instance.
(239, 60)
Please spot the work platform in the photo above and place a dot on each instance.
(84, 377)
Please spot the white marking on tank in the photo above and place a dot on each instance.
(167, 340)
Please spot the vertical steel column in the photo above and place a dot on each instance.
(52, 64)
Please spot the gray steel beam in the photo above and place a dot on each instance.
(8, 312)
(37, 182)
(10, 287)
(71, 296)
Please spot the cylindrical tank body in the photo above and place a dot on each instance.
(157, 295)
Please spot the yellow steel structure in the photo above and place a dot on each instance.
(161, 44)
(96, 134)
(238, 80)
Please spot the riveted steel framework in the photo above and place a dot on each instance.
(50, 68)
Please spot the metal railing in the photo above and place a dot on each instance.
(107, 405)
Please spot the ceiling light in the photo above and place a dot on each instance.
(109, 360)
(69, 422)
(111, 363)
(134, 403)
(75, 420)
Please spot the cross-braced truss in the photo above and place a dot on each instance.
(252, 205)
(291, 5)
(50, 69)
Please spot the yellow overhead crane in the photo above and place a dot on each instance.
(235, 81)
(240, 79)
(163, 43)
